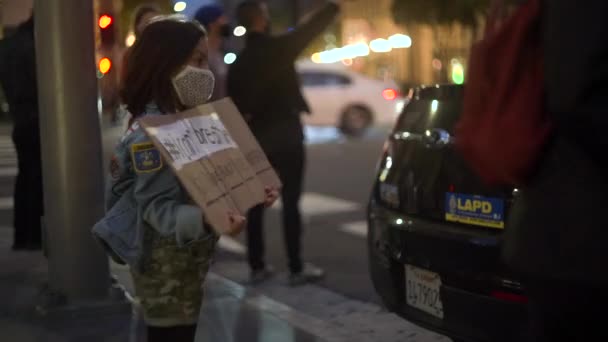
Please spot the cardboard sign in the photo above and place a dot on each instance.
(216, 158)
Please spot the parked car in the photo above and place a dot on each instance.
(348, 100)
(435, 230)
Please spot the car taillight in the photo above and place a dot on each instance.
(510, 297)
(389, 94)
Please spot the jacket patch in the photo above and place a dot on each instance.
(146, 158)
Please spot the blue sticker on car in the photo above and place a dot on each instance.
(474, 210)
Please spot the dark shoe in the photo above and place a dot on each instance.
(260, 276)
(309, 274)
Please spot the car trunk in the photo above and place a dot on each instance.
(433, 180)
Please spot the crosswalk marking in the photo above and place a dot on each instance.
(6, 203)
(9, 171)
(358, 228)
(318, 204)
(8, 157)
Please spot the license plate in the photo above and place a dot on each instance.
(423, 290)
(474, 210)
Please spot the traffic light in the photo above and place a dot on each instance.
(105, 65)
(106, 30)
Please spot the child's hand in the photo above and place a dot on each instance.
(271, 196)
(237, 224)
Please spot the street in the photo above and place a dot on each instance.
(338, 180)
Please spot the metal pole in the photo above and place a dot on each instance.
(1, 20)
(71, 148)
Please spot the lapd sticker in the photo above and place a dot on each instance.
(146, 158)
(474, 210)
(114, 168)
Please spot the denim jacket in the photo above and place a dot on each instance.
(143, 193)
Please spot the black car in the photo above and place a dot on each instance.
(435, 230)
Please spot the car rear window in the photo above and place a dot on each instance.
(432, 108)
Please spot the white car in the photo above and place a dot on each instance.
(340, 97)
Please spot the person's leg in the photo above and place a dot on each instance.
(169, 287)
(20, 195)
(35, 198)
(255, 238)
(290, 166)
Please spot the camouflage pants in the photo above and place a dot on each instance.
(170, 286)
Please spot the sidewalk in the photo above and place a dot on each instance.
(230, 312)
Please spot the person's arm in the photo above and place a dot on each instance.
(293, 43)
(576, 70)
(159, 195)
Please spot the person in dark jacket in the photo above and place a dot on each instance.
(264, 85)
(215, 21)
(18, 80)
(557, 234)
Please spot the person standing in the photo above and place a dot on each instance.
(557, 233)
(151, 223)
(215, 21)
(18, 80)
(141, 17)
(264, 85)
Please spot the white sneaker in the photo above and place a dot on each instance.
(309, 274)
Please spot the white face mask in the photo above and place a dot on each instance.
(194, 86)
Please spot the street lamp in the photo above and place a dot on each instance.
(180, 6)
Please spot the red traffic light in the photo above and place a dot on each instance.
(105, 21)
(105, 64)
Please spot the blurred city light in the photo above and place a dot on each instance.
(389, 94)
(338, 54)
(437, 65)
(434, 107)
(362, 49)
(130, 40)
(457, 72)
(229, 58)
(240, 31)
(105, 64)
(380, 45)
(105, 21)
(347, 62)
(400, 41)
(180, 6)
(359, 50)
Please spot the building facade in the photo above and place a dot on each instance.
(432, 58)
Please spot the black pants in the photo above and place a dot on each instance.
(567, 312)
(28, 200)
(289, 164)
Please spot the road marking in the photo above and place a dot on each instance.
(8, 171)
(231, 245)
(317, 204)
(6, 203)
(358, 228)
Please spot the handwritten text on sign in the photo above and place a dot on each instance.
(191, 139)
